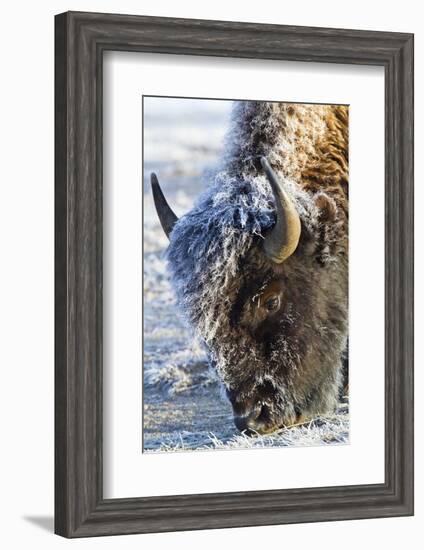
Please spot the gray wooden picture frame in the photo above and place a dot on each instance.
(80, 40)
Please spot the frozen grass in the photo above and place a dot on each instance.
(176, 379)
(325, 430)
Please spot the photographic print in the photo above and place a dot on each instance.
(203, 264)
(245, 274)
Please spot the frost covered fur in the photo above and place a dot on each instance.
(285, 365)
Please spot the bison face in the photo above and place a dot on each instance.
(261, 274)
(279, 351)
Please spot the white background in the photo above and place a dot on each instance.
(128, 472)
(26, 295)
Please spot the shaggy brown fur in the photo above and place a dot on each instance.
(307, 144)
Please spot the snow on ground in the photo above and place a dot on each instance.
(183, 405)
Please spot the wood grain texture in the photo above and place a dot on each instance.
(80, 509)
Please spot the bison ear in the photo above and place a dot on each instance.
(331, 235)
(327, 208)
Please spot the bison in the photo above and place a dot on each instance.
(260, 264)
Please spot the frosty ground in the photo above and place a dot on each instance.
(183, 404)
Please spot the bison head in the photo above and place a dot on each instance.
(260, 270)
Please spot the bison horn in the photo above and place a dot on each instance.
(167, 217)
(282, 240)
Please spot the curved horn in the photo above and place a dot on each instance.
(282, 240)
(167, 217)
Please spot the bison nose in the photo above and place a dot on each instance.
(253, 419)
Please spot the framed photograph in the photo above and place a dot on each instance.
(234, 274)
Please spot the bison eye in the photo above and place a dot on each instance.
(272, 303)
